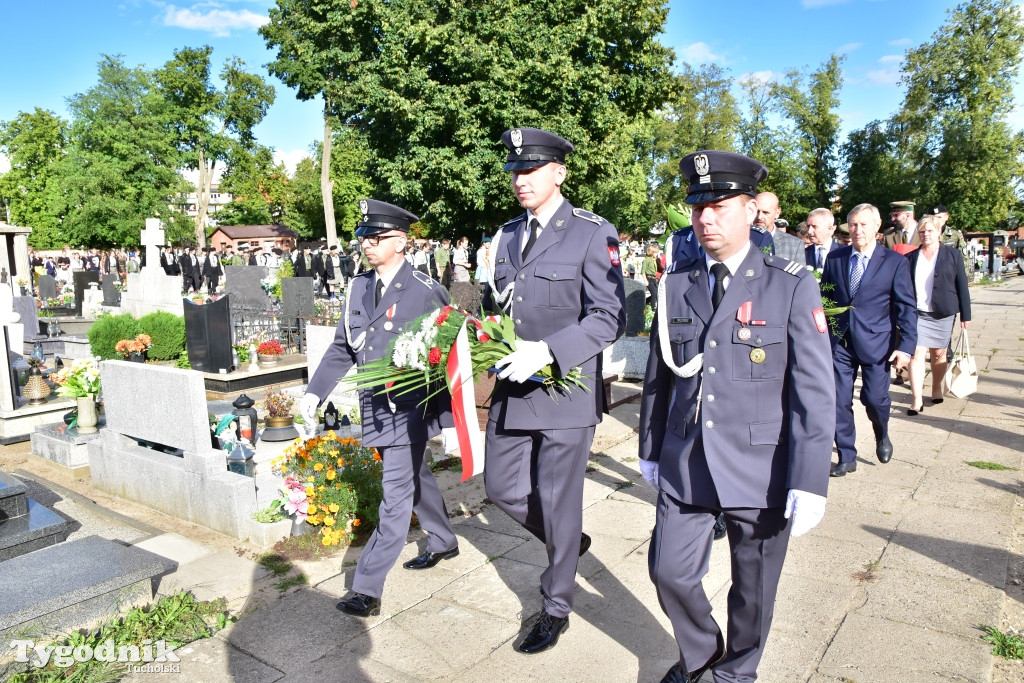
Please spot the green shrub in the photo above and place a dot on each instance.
(167, 332)
(110, 329)
(182, 361)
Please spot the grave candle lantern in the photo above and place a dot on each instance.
(245, 419)
(240, 460)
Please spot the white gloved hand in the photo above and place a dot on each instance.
(649, 468)
(307, 408)
(806, 509)
(525, 361)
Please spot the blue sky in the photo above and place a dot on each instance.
(53, 48)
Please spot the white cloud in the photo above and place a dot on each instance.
(759, 76)
(848, 47)
(901, 42)
(890, 59)
(814, 4)
(291, 158)
(699, 53)
(882, 77)
(219, 22)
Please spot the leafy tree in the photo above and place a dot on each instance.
(259, 187)
(121, 166)
(701, 114)
(305, 209)
(433, 85)
(33, 142)
(876, 172)
(959, 93)
(812, 112)
(205, 122)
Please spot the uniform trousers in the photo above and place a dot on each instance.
(536, 478)
(409, 486)
(874, 396)
(678, 561)
(211, 283)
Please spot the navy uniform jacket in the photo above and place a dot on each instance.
(412, 294)
(568, 294)
(762, 427)
(884, 313)
(682, 244)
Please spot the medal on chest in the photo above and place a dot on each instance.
(388, 325)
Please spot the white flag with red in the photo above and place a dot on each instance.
(467, 427)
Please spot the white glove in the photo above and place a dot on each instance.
(649, 468)
(307, 408)
(525, 361)
(806, 509)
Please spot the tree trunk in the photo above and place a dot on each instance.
(326, 184)
(203, 189)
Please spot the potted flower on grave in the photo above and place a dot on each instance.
(279, 409)
(134, 350)
(269, 352)
(81, 381)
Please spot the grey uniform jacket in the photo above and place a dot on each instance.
(569, 294)
(412, 294)
(766, 418)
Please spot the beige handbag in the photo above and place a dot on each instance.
(961, 378)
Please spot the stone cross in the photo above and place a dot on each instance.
(153, 240)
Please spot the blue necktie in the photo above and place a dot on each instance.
(856, 273)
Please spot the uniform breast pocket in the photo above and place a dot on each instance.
(683, 340)
(759, 353)
(502, 275)
(556, 285)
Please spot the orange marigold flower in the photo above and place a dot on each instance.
(341, 462)
(318, 467)
(333, 507)
(311, 510)
(356, 522)
(376, 456)
(328, 521)
(331, 474)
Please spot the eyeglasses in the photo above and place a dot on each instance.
(374, 240)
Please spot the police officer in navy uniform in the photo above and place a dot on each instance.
(736, 416)
(381, 302)
(555, 271)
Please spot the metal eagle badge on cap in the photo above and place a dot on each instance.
(517, 140)
(702, 166)
(364, 208)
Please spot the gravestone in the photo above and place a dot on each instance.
(25, 306)
(12, 321)
(296, 300)
(153, 242)
(243, 284)
(111, 294)
(467, 296)
(208, 335)
(8, 379)
(47, 287)
(152, 289)
(82, 281)
(635, 304)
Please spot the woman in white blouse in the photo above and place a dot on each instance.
(460, 260)
(940, 284)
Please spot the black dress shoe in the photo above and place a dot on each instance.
(677, 675)
(720, 530)
(883, 449)
(429, 559)
(841, 468)
(914, 413)
(360, 605)
(544, 633)
(584, 544)
(937, 401)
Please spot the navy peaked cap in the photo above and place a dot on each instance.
(532, 147)
(377, 216)
(714, 175)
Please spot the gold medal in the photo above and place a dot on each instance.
(743, 334)
(757, 355)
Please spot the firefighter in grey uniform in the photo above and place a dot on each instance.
(380, 303)
(737, 416)
(555, 271)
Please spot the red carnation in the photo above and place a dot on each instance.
(443, 315)
(434, 357)
(483, 338)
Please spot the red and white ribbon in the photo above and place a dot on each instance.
(467, 427)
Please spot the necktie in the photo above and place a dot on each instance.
(856, 273)
(532, 239)
(378, 293)
(720, 271)
(821, 258)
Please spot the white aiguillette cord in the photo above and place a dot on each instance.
(505, 294)
(691, 367)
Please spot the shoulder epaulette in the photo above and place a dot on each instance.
(784, 264)
(588, 216)
(424, 278)
(514, 220)
(758, 228)
(366, 273)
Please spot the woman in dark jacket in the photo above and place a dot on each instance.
(940, 284)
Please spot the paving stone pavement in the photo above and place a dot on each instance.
(910, 559)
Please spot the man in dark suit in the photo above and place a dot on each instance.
(212, 270)
(380, 304)
(191, 271)
(736, 418)
(786, 246)
(304, 262)
(168, 262)
(880, 329)
(555, 271)
(821, 226)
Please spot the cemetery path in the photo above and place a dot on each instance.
(911, 558)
